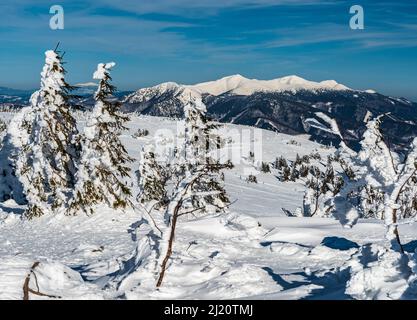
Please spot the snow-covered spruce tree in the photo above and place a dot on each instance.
(377, 166)
(47, 164)
(201, 141)
(198, 178)
(16, 137)
(104, 160)
(152, 180)
(376, 179)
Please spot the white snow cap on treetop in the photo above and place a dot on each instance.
(197, 103)
(102, 69)
(50, 57)
(51, 79)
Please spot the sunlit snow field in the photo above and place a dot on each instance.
(255, 251)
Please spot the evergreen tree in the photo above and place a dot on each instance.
(265, 167)
(201, 142)
(294, 173)
(298, 160)
(17, 136)
(280, 163)
(382, 178)
(303, 171)
(197, 176)
(152, 180)
(286, 174)
(47, 166)
(104, 159)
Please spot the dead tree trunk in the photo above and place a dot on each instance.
(170, 243)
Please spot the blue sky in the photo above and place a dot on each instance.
(191, 41)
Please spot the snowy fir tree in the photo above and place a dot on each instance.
(198, 178)
(376, 167)
(16, 137)
(201, 144)
(104, 160)
(47, 165)
(152, 180)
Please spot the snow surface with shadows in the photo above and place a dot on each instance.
(253, 252)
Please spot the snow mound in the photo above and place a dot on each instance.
(241, 281)
(325, 253)
(51, 280)
(233, 225)
(290, 249)
(382, 279)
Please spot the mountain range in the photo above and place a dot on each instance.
(289, 105)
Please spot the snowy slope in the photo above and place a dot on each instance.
(253, 252)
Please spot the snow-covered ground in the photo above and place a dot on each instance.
(255, 251)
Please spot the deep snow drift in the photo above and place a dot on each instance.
(255, 251)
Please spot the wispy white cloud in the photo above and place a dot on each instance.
(197, 33)
(189, 6)
(333, 33)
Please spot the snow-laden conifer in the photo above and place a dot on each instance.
(17, 136)
(47, 166)
(378, 167)
(202, 143)
(198, 187)
(152, 180)
(104, 163)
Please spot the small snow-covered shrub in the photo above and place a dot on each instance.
(140, 133)
(3, 127)
(251, 179)
(294, 143)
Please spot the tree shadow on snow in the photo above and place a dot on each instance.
(126, 264)
(333, 283)
(337, 243)
(11, 210)
(410, 247)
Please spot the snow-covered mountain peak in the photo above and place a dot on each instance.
(235, 85)
(293, 79)
(169, 85)
(218, 87)
(86, 84)
(332, 84)
(235, 77)
(239, 85)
